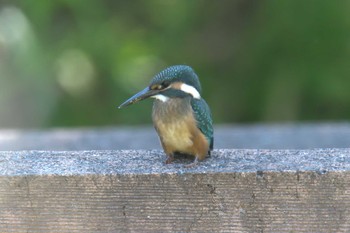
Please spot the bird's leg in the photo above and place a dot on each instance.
(170, 158)
(209, 154)
(193, 164)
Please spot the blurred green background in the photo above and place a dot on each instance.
(71, 63)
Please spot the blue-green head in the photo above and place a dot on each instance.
(178, 81)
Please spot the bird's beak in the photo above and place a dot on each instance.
(144, 94)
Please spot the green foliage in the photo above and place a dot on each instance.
(71, 63)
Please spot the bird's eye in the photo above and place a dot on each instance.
(165, 84)
(160, 86)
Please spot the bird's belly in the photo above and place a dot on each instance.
(176, 136)
(177, 129)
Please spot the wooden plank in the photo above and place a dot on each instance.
(133, 191)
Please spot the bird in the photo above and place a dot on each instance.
(180, 115)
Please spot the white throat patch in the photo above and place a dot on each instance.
(190, 90)
(160, 97)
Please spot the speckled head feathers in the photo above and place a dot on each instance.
(178, 73)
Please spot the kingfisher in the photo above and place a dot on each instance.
(180, 115)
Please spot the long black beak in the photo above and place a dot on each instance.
(144, 94)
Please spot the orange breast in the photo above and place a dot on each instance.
(180, 134)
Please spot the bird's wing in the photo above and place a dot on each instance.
(203, 117)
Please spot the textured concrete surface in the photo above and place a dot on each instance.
(134, 191)
(21, 163)
(268, 136)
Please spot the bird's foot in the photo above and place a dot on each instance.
(193, 164)
(209, 154)
(169, 159)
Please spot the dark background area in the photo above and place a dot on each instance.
(71, 63)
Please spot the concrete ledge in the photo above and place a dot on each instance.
(133, 191)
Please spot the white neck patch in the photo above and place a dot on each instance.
(161, 97)
(190, 90)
